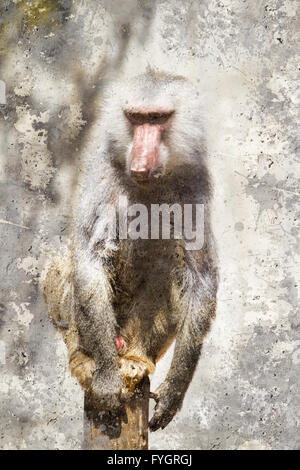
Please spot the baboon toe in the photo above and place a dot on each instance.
(82, 367)
(133, 372)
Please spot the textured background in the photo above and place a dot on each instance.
(54, 58)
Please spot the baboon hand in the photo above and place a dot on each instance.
(103, 403)
(168, 402)
(105, 391)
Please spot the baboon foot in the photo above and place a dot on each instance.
(82, 367)
(133, 371)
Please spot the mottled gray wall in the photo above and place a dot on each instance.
(242, 56)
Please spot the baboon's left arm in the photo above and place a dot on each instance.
(198, 301)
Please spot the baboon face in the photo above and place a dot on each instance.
(154, 126)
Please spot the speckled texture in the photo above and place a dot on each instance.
(243, 56)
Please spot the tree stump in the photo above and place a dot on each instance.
(134, 433)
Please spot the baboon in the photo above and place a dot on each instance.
(119, 302)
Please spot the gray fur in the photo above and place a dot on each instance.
(151, 291)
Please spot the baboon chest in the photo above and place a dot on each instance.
(142, 276)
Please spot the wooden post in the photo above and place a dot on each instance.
(134, 433)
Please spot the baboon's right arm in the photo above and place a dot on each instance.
(77, 295)
(96, 325)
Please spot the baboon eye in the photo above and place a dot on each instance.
(140, 118)
(155, 116)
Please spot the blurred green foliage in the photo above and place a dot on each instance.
(36, 12)
(25, 16)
